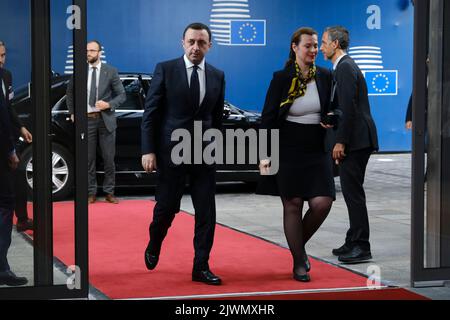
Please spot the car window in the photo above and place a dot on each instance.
(233, 109)
(146, 85)
(22, 92)
(61, 105)
(133, 91)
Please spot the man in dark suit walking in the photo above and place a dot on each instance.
(356, 140)
(19, 129)
(105, 94)
(183, 91)
(8, 163)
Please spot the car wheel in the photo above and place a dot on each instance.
(62, 171)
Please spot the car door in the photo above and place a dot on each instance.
(128, 134)
(234, 119)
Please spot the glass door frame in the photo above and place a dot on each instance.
(44, 287)
(422, 225)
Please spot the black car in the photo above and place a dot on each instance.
(129, 171)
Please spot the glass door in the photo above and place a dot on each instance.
(53, 256)
(431, 140)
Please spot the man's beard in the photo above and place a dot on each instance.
(92, 60)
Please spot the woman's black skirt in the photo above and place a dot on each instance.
(305, 170)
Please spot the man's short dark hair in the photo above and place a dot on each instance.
(2, 44)
(98, 43)
(198, 26)
(340, 34)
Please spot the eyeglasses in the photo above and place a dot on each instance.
(93, 50)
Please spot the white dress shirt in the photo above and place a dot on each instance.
(201, 76)
(91, 68)
(3, 88)
(338, 60)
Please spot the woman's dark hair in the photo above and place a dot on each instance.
(296, 38)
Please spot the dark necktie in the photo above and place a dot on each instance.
(93, 90)
(195, 87)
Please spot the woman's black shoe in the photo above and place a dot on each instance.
(307, 263)
(302, 277)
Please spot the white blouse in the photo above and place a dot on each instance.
(306, 109)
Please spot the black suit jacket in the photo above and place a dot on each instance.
(110, 89)
(356, 129)
(15, 120)
(6, 142)
(273, 116)
(168, 106)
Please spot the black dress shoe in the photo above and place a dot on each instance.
(356, 255)
(302, 277)
(206, 276)
(151, 260)
(22, 226)
(344, 249)
(10, 279)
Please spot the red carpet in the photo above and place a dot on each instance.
(118, 235)
(383, 294)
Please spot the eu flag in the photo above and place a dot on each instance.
(248, 32)
(382, 83)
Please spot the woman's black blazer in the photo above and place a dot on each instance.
(273, 116)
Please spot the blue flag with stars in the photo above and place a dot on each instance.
(382, 83)
(248, 32)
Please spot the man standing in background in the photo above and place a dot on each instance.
(356, 140)
(105, 94)
(8, 163)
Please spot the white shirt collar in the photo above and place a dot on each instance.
(3, 88)
(189, 64)
(338, 60)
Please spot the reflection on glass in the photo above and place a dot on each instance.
(63, 240)
(16, 224)
(445, 232)
(63, 153)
